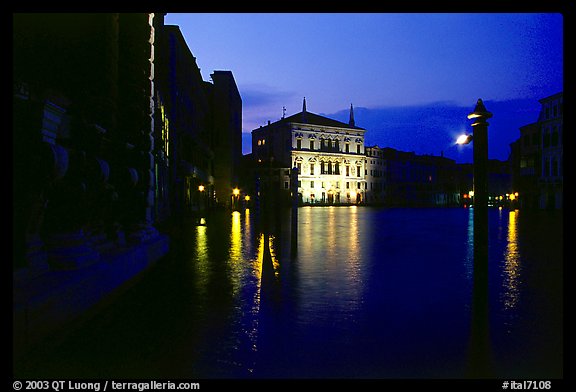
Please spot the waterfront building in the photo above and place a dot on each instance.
(526, 161)
(537, 158)
(226, 140)
(199, 129)
(186, 115)
(328, 154)
(418, 180)
(375, 171)
(551, 177)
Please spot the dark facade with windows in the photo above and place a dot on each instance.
(537, 158)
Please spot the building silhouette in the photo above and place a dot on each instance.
(227, 134)
(114, 135)
(399, 178)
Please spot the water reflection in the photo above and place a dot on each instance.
(511, 270)
(371, 292)
(202, 261)
(469, 260)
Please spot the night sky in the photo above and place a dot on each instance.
(412, 78)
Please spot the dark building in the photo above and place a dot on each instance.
(83, 132)
(526, 157)
(551, 181)
(227, 134)
(537, 158)
(83, 154)
(500, 186)
(199, 128)
(418, 180)
(186, 119)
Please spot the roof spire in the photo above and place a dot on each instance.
(351, 121)
(304, 105)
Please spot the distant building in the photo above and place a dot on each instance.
(499, 182)
(328, 154)
(375, 175)
(418, 180)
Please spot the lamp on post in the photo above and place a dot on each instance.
(480, 167)
(480, 344)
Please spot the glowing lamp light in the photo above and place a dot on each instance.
(464, 139)
(247, 198)
(201, 188)
(236, 191)
(471, 193)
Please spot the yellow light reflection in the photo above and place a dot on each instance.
(247, 226)
(274, 255)
(236, 237)
(202, 260)
(235, 252)
(512, 264)
(354, 247)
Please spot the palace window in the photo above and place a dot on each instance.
(312, 169)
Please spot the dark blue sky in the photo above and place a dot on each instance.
(412, 78)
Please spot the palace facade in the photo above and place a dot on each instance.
(328, 154)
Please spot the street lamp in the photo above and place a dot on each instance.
(464, 139)
(235, 198)
(201, 188)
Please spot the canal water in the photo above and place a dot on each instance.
(369, 293)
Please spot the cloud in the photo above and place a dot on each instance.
(432, 128)
(261, 102)
(261, 95)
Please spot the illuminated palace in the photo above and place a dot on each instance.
(329, 155)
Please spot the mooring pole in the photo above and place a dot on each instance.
(294, 223)
(481, 347)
